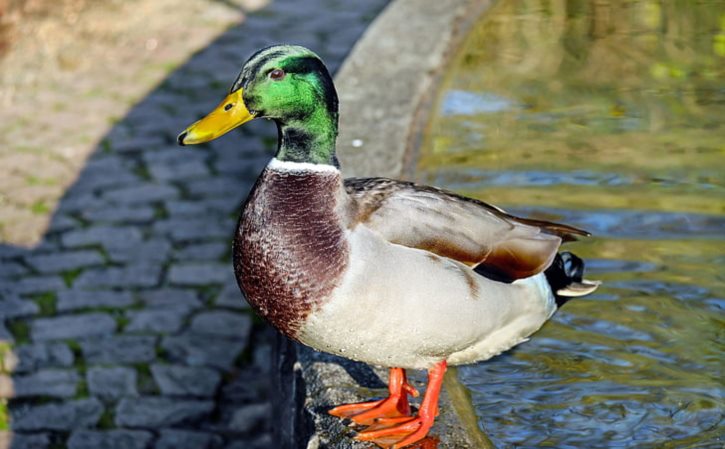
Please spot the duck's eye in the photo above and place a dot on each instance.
(277, 74)
(228, 106)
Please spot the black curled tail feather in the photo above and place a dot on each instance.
(566, 278)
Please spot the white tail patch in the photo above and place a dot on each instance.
(576, 289)
(287, 166)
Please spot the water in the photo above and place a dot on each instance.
(608, 115)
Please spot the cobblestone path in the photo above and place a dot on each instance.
(124, 327)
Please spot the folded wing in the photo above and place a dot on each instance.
(460, 228)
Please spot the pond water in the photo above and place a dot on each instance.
(608, 115)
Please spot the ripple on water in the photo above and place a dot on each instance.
(590, 114)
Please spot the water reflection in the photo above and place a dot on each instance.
(606, 115)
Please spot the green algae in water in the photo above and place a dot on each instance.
(607, 115)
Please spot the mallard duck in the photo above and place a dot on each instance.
(386, 272)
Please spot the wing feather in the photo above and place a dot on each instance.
(460, 228)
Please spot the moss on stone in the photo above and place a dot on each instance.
(82, 390)
(46, 302)
(107, 422)
(20, 330)
(145, 380)
(70, 276)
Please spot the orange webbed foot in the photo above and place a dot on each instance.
(397, 433)
(400, 435)
(394, 406)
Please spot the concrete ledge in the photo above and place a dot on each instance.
(385, 86)
(390, 76)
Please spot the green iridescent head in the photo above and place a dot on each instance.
(290, 85)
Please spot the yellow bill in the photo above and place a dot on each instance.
(229, 114)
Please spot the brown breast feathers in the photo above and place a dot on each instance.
(290, 250)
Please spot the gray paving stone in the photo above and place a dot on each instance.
(200, 273)
(203, 251)
(222, 324)
(64, 261)
(135, 275)
(166, 320)
(75, 202)
(100, 180)
(171, 297)
(140, 194)
(151, 111)
(72, 326)
(119, 349)
(240, 164)
(194, 208)
(112, 383)
(62, 416)
(152, 251)
(38, 284)
(108, 236)
(231, 297)
(51, 382)
(167, 127)
(183, 439)
(174, 155)
(186, 208)
(137, 143)
(10, 269)
(83, 299)
(110, 439)
(202, 350)
(110, 163)
(62, 223)
(119, 132)
(260, 140)
(187, 81)
(48, 245)
(250, 417)
(5, 334)
(14, 440)
(180, 170)
(232, 188)
(155, 412)
(135, 214)
(14, 307)
(191, 229)
(8, 252)
(180, 380)
(105, 172)
(37, 356)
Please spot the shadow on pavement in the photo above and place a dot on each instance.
(124, 327)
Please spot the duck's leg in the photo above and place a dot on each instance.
(416, 428)
(395, 405)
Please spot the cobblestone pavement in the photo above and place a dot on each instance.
(124, 327)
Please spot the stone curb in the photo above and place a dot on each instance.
(385, 86)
